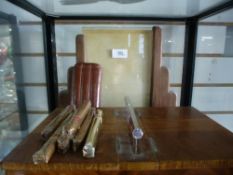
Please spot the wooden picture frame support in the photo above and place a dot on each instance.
(80, 53)
(160, 97)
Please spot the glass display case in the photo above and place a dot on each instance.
(9, 117)
(7, 77)
(23, 95)
(212, 89)
(38, 46)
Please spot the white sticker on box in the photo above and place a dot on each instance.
(120, 53)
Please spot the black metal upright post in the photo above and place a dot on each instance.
(50, 61)
(189, 61)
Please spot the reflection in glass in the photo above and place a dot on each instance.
(23, 104)
(9, 117)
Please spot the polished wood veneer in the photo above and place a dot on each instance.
(187, 142)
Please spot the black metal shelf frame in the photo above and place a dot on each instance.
(189, 50)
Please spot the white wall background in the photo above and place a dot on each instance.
(213, 78)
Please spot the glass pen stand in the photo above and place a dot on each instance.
(127, 147)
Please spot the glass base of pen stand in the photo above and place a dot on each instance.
(131, 149)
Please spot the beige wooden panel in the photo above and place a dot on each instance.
(121, 77)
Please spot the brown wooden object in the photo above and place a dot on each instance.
(63, 141)
(160, 76)
(78, 118)
(44, 154)
(85, 83)
(80, 52)
(79, 137)
(53, 125)
(84, 80)
(64, 96)
(89, 148)
(187, 143)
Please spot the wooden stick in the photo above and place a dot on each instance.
(78, 118)
(90, 144)
(63, 141)
(52, 126)
(78, 139)
(44, 154)
(80, 51)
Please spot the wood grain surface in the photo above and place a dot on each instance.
(186, 141)
(80, 53)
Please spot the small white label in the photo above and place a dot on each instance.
(120, 53)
